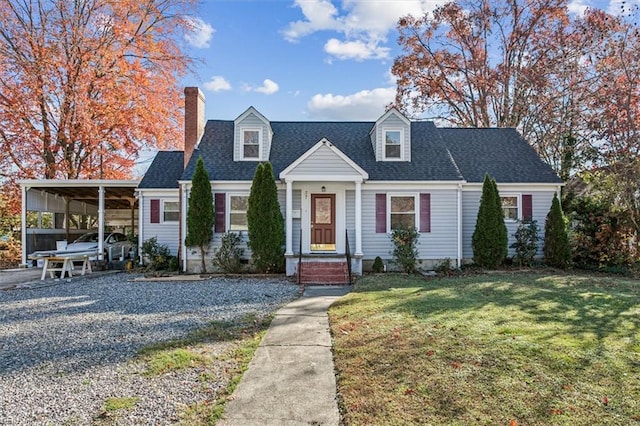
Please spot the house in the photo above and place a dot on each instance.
(342, 182)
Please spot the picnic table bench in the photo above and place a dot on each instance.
(64, 264)
(62, 261)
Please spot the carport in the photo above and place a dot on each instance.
(104, 202)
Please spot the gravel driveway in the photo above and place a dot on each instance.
(66, 348)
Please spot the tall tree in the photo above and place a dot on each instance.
(507, 63)
(490, 238)
(265, 221)
(85, 84)
(200, 216)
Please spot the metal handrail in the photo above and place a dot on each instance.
(347, 250)
(300, 258)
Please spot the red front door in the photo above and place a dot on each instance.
(323, 222)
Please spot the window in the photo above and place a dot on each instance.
(402, 211)
(238, 212)
(393, 144)
(509, 207)
(251, 143)
(170, 211)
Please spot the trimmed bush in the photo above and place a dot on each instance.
(155, 254)
(490, 237)
(228, 256)
(378, 266)
(557, 251)
(405, 252)
(200, 216)
(265, 222)
(526, 244)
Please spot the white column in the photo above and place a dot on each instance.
(289, 219)
(101, 223)
(358, 209)
(23, 225)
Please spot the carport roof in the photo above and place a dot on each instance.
(118, 193)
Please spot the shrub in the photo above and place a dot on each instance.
(490, 237)
(446, 267)
(526, 243)
(378, 266)
(557, 251)
(200, 215)
(265, 222)
(228, 256)
(405, 252)
(157, 255)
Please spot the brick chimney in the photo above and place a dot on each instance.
(194, 120)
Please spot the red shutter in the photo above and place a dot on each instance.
(155, 211)
(425, 212)
(527, 207)
(220, 199)
(381, 213)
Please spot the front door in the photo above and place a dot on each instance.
(323, 222)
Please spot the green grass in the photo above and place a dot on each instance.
(244, 336)
(119, 403)
(488, 349)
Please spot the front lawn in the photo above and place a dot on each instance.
(503, 349)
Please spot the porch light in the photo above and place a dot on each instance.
(323, 189)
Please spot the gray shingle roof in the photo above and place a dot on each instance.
(164, 171)
(437, 154)
(501, 152)
(429, 158)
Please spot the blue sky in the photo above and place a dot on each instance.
(303, 59)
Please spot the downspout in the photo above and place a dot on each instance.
(459, 220)
(141, 219)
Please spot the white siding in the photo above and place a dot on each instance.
(393, 121)
(251, 121)
(440, 243)
(40, 201)
(166, 233)
(541, 203)
(324, 162)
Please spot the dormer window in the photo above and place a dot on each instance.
(393, 144)
(251, 140)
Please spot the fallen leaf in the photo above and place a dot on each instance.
(409, 392)
(513, 423)
(605, 400)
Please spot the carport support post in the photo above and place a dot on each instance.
(100, 222)
(23, 225)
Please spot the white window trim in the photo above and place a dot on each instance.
(260, 143)
(518, 206)
(416, 208)
(163, 210)
(228, 212)
(384, 143)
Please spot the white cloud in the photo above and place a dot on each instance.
(217, 84)
(363, 105)
(578, 6)
(269, 87)
(201, 33)
(364, 24)
(358, 50)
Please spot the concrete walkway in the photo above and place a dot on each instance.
(291, 379)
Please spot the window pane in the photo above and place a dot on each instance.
(239, 203)
(323, 210)
(510, 207)
(392, 137)
(171, 212)
(238, 221)
(403, 220)
(392, 151)
(251, 137)
(402, 204)
(251, 151)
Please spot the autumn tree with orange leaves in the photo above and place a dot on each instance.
(85, 84)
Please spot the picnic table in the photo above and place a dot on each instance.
(63, 261)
